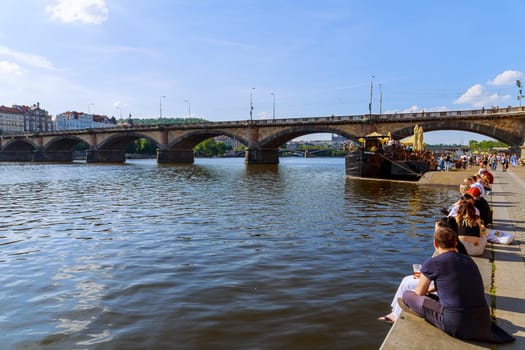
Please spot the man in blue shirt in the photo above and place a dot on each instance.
(461, 310)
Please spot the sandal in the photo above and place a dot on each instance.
(386, 319)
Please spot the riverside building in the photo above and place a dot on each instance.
(19, 119)
(11, 121)
(80, 120)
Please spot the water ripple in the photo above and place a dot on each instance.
(213, 255)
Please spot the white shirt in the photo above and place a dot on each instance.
(480, 187)
(454, 211)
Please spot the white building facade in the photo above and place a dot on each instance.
(11, 121)
(80, 120)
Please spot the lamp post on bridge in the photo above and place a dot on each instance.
(273, 99)
(189, 108)
(380, 99)
(160, 107)
(371, 89)
(520, 96)
(119, 111)
(251, 104)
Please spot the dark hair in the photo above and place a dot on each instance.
(466, 214)
(466, 196)
(445, 238)
(448, 222)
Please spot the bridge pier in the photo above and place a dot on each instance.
(54, 156)
(105, 156)
(261, 156)
(183, 156)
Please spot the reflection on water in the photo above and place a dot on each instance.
(212, 255)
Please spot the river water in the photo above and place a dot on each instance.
(216, 255)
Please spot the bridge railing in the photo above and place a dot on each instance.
(494, 111)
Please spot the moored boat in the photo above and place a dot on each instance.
(386, 161)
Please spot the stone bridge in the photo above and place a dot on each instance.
(262, 138)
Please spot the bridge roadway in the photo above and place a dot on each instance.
(262, 138)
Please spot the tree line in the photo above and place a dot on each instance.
(485, 145)
(212, 148)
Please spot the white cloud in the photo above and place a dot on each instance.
(508, 77)
(417, 109)
(9, 68)
(83, 11)
(412, 109)
(478, 96)
(26, 58)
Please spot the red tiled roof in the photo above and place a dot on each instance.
(10, 110)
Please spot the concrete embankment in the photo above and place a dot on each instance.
(502, 268)
(447, 178)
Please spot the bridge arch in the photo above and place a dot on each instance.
(122, 140)
(18, 150)
(64, 143)
(491, 131)
(193, 138)
(283, 136)
(19, 145)
(110, 148)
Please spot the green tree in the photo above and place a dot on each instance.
(209, 148)
(485, 145)
(141, 146)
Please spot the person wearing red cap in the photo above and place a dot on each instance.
(474, 192)
(482, 205)
(477, 183)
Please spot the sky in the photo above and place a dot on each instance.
(210, 57)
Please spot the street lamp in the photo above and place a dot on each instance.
(251, 104)
(371, 88)
(189, 108)
(520, 96)
(380, 99)
(160, 106)
(273, 97)
(119, 110)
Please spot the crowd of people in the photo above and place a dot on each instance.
(448, 292)
(448, 160)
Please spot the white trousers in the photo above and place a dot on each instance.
(407, 283)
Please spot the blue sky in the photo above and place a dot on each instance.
(317, 57)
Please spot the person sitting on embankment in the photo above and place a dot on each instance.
(477, 184)
(465, 186)
(485, 213)
(487, 178)
(461, 309)
(411, 281)
(453, 212)
(470, 230)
